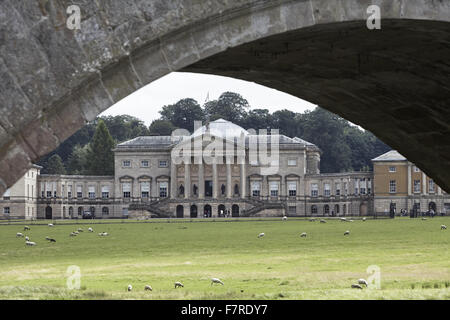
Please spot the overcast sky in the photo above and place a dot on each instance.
(146, 102)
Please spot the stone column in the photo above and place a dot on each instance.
(229, 188)
(439, 190)
(283, 191)
(409, 180)
(424, 183)
(214, 170)
(173, 180)
(187, 180)
(243, 187)
(201, 181)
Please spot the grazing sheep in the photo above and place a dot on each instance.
(443, 227)
(129, 287)
(363, 281)
(50, 239)
(26, 228)
(47, 238)
(76, 232)
(90, 230)
(148, 288)
(303, 235)
(350, 220)
(19, 234)
(261, 235)
(322, 221)
(216, 280)
(343, 219)
(284, 218)
(80, 230)
(72, 234)
(50, 225)
(27, 238)
(356, 286)
(364, 219)
(424, 218)
(346, 233)
(178, 284)
(103, 234)
(30, 243)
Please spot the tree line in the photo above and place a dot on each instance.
(345, 147)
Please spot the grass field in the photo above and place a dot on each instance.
(413, 256)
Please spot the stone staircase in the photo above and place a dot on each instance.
(259, 205)
(154, 207)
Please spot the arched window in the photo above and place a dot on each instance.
(326, 209)
(105, 211)
(313, 209)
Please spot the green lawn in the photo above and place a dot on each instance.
(413, 256)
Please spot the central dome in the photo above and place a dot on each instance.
(221, 128)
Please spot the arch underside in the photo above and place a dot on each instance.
(393, 82)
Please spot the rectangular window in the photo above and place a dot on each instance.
(163, 189)
(69, 191)
(79, 192)
(91, 193)
(274, 189)
(338, 188)
(292, 188)
(162, 163)
(125, 211)
(292, 162)
(416, 186)
(314, 189)
(49, 194)
(256, 188)
(6, 210)
(362, 186)
(345, 188)
(356, 186)
(126, 163)
(326, 190)
(431, 186)
(126, 189)
(105, 192)
(145, 189)
(369, 186)
(392, 186)
(392, 169)
(144, 163)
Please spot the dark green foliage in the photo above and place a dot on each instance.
(100, 155)
(183, 113)
(54, 165)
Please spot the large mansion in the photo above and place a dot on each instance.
(219, 170)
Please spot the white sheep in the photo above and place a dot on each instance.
(262, 234)
(364, 219)
(303, 235)
(26, 228)
(350, 220)
(343, 219)
(27, 238)
(80, 230)
(363, 281)
(130, 287)
(148, 288)
(30, 243)
(356, 286)
(284, 218)
(216, 280)
(50, 225)
(443, 227)
(19, 234)
(90, 230)
(346, 233)
(312, 220)
(322, 221)
(424, 218)
(72, 234)
(103, 234)
(178, 284)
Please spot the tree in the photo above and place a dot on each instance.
(100, 154)
(230, 106)
(161, 128)
(55, 165)
(183, 113)
(77, 162)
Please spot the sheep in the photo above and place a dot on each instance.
(26, 228)
(424, 218)
(356, 286)
(27, 238)
(19, 234)
(346, 233)
(72, 234)
(30, 243)
(443, 227)
(103, 234)
(262, 234)
(50, 239)
(90, 230)
(178, 284)
(303, 235)
(364, 219)
(350, 220)
(343, 219)
(363, 281)
(148, 288)
(50, 225)
(76, 232)
(312, 220)
(322, 221)
(216, 280)
(130, 287)
(80, 230)
(284, 218)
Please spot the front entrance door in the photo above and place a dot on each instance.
(48, 212)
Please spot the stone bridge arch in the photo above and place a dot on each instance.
(392, 81)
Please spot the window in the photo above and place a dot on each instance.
(314, 189)
(126, 189)
(392, 169)
(392, 186)
(416, 186)
(69, 191)
(274, 189)
(313, 209)
(362, 186)
(80, 211)
(369, 186)
(105, 211)
(356, 186)
(431, 186)
(126, 163)
(91, 193)
(6, 210)
(105, 192)
(163, 189)
(292, 188)
(49, 194)
(345, 188)
(256, 188)
(79, 192)
(326, 190)
(337, 186)
(62, 191)
(144, 163)
(416, 169)
(125, 211)
(145, 189)
(162, 163)
(326, 209)
(292, 162)
(54, 194)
